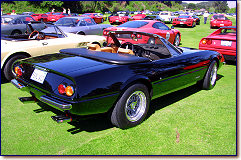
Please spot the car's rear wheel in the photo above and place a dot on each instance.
(81, 33)
(132, 107)
(8, 69)
(176, 40)
(210, 78)
(16, 32)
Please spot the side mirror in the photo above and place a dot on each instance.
(172, 27)
(104, 44)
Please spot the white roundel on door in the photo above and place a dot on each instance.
(167, 35)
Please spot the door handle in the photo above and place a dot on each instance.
(45, 43)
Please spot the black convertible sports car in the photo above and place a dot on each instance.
(120, 78)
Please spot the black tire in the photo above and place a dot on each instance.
(81, 33)
(16, 32)
(176, 40)
(125, 116)
(102, 20)
(8, 72)
(210, 78)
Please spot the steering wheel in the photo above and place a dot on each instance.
(32, 36)
(127, 45)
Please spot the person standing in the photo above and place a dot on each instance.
(69, 11)
(64, 10)
(205, 16)
(1, 11)
(53, 10)
(13, 12)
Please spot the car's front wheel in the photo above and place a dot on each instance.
(210, 78)
(132, 107)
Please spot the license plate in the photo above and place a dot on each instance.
(117, 20)
(221, 24)
(181, 23)
(226, 43)
(38, 75)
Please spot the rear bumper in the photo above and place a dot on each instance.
(175, 23)
(58, 104)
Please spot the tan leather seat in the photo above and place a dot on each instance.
(125, 51)
(109, 49)
(93, 47)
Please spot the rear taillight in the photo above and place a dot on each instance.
(105, 32)
(69, 91)
(206, 41)
(65, 90)
(18, 70)
(61, 89)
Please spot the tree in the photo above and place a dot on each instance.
(191, 6)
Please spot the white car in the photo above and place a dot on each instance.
(36, 43)
(167, 16)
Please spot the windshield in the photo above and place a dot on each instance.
(67, 22)
(221, 17)
(134, 24)
(6, 20)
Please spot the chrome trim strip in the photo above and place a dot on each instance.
(17, 84)
(56, 103)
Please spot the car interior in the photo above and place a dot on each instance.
(153, 49)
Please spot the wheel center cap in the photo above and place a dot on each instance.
(133, 105)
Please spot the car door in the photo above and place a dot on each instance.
(93, 27)
(164, 31)
(178, 71)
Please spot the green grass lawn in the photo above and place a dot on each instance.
(204, 120)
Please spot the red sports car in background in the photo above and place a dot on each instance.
(148, 26)
(223, 41)
(95, 16)
(219, 20)
(40, 17)
(138, 17)
(184, 20)
(119, 18)
(54, 16)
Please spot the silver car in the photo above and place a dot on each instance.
(16, 24)
(81, 25)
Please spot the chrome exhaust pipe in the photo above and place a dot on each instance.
(28, 99)
(61, 118)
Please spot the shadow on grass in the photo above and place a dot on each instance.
(101, 122)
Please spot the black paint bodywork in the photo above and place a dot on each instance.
(99, 78)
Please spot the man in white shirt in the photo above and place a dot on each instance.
(205, 16)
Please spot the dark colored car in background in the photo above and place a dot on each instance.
(223, 41)
(153, 17)
(120, 79)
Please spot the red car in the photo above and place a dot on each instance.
(40, 17)
(184, 20)
(219, 20)
(119, 18)
(223, 41)
(54, 16)
(95, 16)
(138, 17)
(148, 26)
